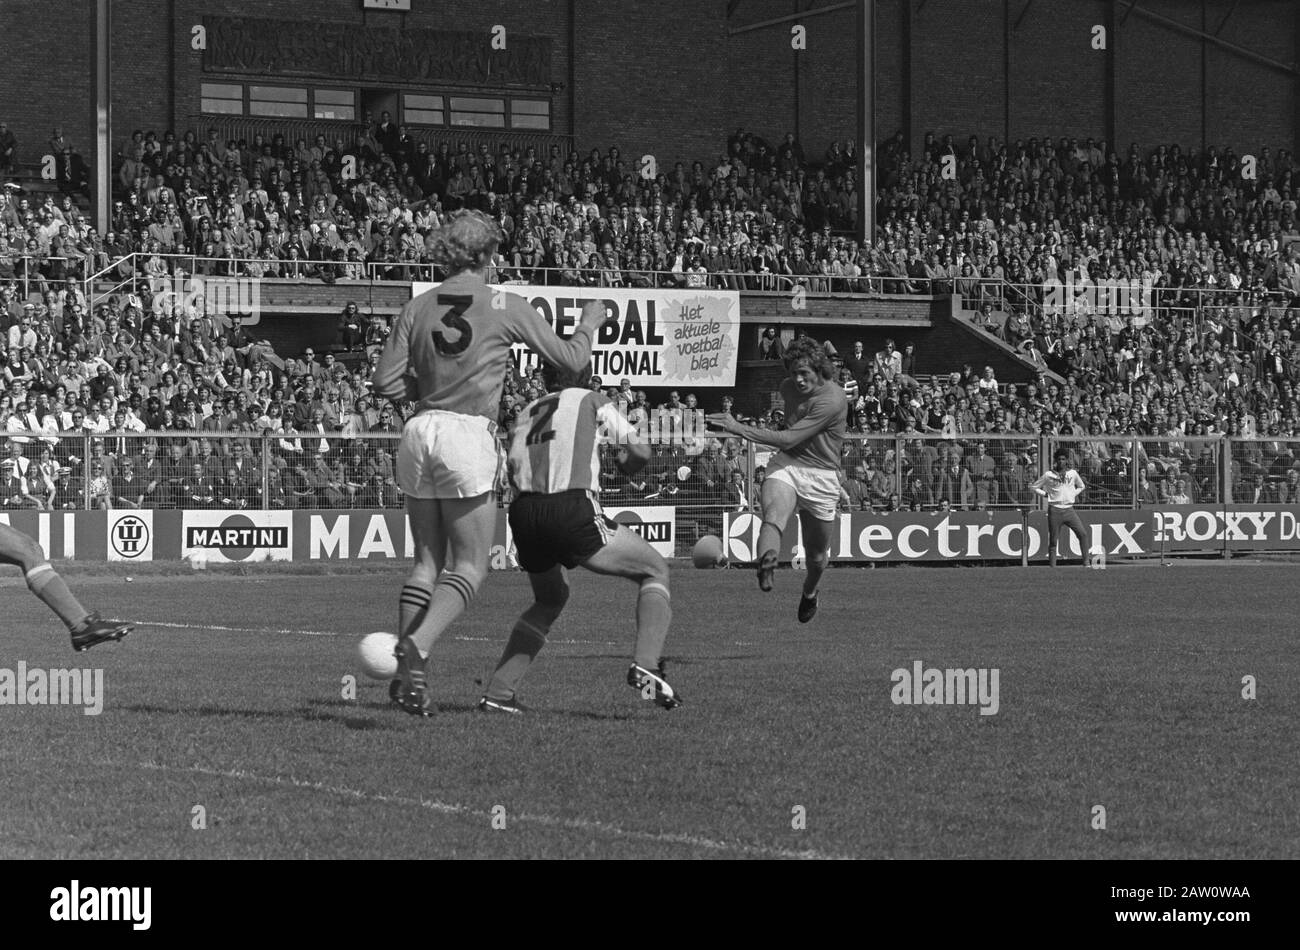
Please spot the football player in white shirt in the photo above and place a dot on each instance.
(1061, 487)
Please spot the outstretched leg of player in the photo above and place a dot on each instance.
(779, 501)
(87, 629)
(628, 555)
(550, 592)
(463, 528)
(817, 554)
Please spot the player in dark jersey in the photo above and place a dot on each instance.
(448, 352)
(557, 522)
(804, 474)
(87, 629)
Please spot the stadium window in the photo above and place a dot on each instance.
(530, 114)
(423, 110)
(277, 101)
(221, 98)
(334, 104)
(480, 113)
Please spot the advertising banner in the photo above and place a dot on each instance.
(1002, 535)
(54, 531)
(130, 535)
(656, 525)
(367, 534)
(127, 535)
(234, 536)
(676, 337)
(362, 535)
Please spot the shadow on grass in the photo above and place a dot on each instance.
(298, 715)
(672, 661)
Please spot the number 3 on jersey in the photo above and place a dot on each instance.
(454, 318)
(541, 414)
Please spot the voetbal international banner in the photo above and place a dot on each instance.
(663, 337)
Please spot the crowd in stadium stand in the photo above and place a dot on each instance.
(980, 220)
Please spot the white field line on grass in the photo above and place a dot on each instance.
(547, 821)
(167, 625)
(336, 633)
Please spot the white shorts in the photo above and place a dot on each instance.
(447, 455)
(817, 489)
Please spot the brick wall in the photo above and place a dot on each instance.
(665, 78)
(45, 63)
(1055, 38)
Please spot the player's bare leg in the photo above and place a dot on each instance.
(817, 552)
(779, 500)
(457, 532)
(86, 628)
(550, 593)
(628, 555)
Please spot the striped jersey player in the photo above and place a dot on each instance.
(557, 522)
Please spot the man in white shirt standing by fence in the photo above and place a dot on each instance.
(1061, 487)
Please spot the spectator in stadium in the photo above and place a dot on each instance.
(351, 330)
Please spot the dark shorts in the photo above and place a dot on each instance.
(1058, 518)
(565, 528)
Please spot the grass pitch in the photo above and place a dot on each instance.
(225, 733)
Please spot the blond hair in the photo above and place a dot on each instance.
(466, 242)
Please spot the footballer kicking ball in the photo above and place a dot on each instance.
(707, 552)
(377, 658)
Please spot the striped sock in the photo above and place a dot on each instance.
(451, 595)
(412, 606)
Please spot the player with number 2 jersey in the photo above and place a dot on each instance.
(557, 522)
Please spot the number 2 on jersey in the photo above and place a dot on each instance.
(454, 318)
(541, 415)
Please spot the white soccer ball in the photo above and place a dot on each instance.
(377, 658)
(198, 560)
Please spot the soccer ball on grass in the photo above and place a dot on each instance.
(377, 658)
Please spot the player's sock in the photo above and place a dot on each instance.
(526, 641)
(769, 537)
(451, 595)
(45, 583)
(412, 606)
(654, 612)
(816, 568)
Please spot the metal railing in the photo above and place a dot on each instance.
(141, 271)
(198, 469)
(701, 478)
(49, 269)
(994, 470)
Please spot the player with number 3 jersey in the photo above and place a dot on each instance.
(448, 354)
